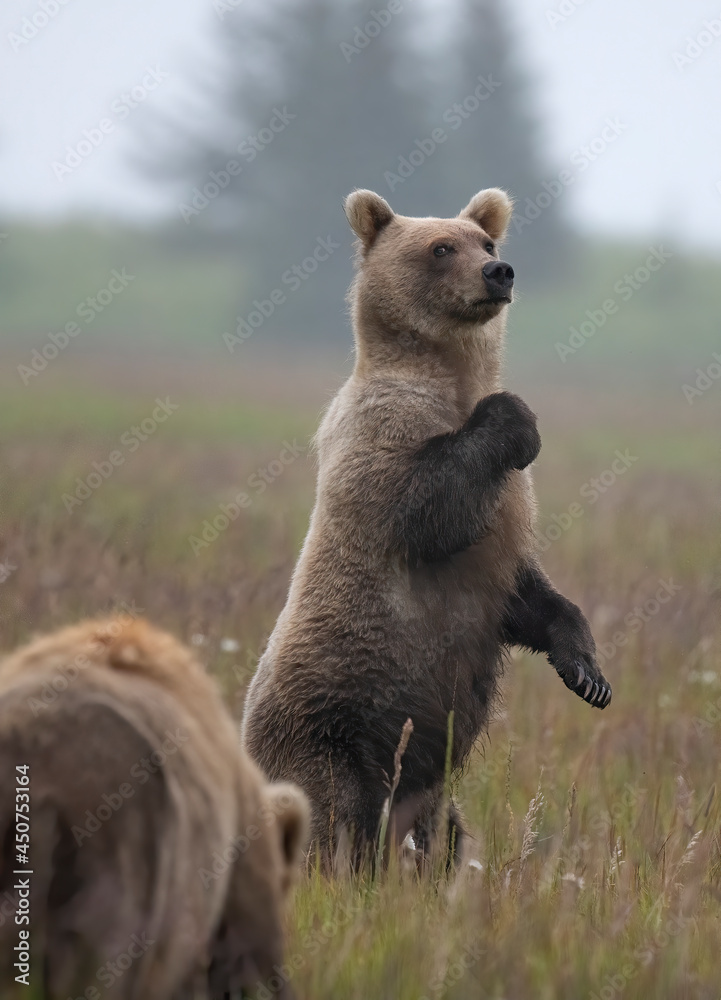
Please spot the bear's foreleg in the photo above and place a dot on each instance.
(456, 480)
(544, 621)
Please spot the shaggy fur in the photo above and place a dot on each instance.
(151, 833)
(420, 560)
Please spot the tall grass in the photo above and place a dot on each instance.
(595, 849)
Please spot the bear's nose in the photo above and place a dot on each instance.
(499, 276)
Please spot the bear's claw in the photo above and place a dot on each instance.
(581, 680)
(597, 693)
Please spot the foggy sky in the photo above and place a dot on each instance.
(605, 61)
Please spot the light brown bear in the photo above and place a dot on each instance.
(160, 856)
(420, 563)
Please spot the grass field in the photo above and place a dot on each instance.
(184, 294)
(595, 836)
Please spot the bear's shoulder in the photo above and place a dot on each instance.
(384, 411)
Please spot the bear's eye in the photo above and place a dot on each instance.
(442, 249)
(490, 248)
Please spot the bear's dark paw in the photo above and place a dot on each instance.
(512, 426)
(583, 677)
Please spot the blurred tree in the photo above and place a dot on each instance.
(315, 97)
(308, 103)
(494, 138)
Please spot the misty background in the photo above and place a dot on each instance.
(202, 149)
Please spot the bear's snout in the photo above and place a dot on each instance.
(499, 278)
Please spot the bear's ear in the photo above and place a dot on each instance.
(491, 210)
(367, 213)
(292, 817)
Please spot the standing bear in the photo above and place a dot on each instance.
(420, 563)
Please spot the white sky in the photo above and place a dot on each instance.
(607, 59)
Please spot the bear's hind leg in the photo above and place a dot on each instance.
(346, 821)
(439, 833)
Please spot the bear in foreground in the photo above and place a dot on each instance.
(160, 857)
(420, 563)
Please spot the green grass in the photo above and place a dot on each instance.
(49, 271)
(25, 413)
(187, 291)
(596, 835)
